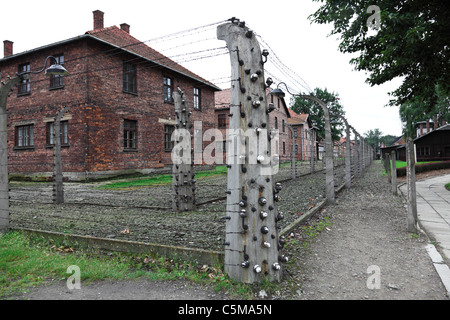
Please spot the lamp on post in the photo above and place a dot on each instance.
(5, 89)
(329, 179)
(54, 70)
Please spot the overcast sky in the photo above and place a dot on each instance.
(303, 47)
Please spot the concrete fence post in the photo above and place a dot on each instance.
(5, 89)
(183, 179)
(252, 246)
(394, 172)
(58, 187)
(411, 183)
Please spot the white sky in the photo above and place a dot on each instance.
(303, 47)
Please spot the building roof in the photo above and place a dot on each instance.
(222, 99)
(296, 118)
(441, 128)
(122, 40)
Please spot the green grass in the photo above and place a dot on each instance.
(159, 179)
(402, 164)
(447, 186)
(27, 261)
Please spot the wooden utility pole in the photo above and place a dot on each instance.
(58, 187)
(253, 247)
(5, 89)
(183, 182)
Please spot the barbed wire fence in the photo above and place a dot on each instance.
(141, 213)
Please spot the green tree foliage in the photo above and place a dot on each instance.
(316, 113)
(412, 43)
(373, 138)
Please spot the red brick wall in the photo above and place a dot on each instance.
(99, 106)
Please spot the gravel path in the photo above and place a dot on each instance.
(367, 233)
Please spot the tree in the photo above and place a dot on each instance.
(373, 138)
(316, 114)
(412, 42)
(387, 139)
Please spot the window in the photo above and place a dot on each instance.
(24, 136)
(284, 147)
(129, 77)
(283, 126)
(423, 151)
(197, 99)
(24, 85)
(168, 89)
(56, 81)
(64, 127)
(276, 123)
(129, 134)
(222, 121)
(168, 143)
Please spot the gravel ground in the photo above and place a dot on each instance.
(367, 228)
(143, 214)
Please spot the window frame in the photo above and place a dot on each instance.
(57, 81)
(64, 135)
(130, 135)
(221, 121)
(25, 82)
(168, 143)
(168, 89)
(197, 98)
(129, 80)
(20, 138)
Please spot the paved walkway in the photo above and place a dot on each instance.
(433, 212)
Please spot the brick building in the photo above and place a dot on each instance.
(279, 119)
(119, 91)
(304, 133)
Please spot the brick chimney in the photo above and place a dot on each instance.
(98, 19)
(125, 27)
(7, 48)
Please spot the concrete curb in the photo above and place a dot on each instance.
(209, 257)
(441, 268)
(439, 264)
